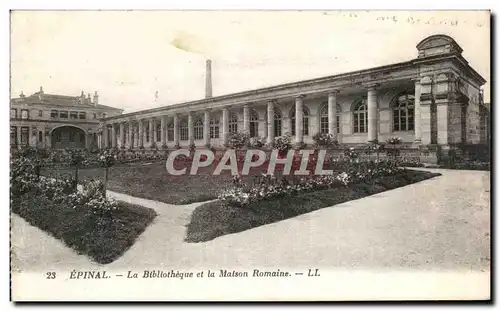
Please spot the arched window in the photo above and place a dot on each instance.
(323, 119)
(170, 131)
(360, 117)
(254, 124)
(214, 127)
(198, 129)
(403, 113)
(233, 123)
(278, 117)
(305, 121)
(183, 130)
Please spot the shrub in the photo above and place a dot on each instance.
(56, 190)
(351, 154)
(283, 143)
(324, 140)
(106, 159)
(257, 142)
(394, 140)
(22, 176)
(238, 140)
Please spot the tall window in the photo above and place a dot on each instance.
(277, 122)
(82, 115)
(305, 121)
(146, 130)
(198, 129)
(13, 113)
(54, 114)
(24, 136)
(360, 119)
(254, 124)
(233, 123)
(323, 119)
(183, 130)
(40, 113)
(25, 114)
(403, 113)
(13, 135)
(158, 131)
(214, 128)
(170, 131)
(95, 115)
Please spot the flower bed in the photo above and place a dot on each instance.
(85, 220)
(104, 237)
(218, 218)
(271, 188)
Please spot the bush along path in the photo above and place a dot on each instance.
(245, 207)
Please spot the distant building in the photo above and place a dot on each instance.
(57, 121)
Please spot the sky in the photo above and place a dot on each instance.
(129, 56)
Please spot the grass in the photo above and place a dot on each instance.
(151, 181)
(214, 219)
(102, 239)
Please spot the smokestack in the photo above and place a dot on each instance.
(208, 79)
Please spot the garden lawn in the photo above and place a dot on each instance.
(104, 239)
(152, 181)
(214, 219)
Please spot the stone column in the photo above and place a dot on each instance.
(18, 135)
(163, 128)
(225, 126)
(443, 118)
(122, 135)
(130, 134)
(105, 136)
(299, 122)
(141, 134)
(418, 127)
(372, 114)
(176, 131)
(270, 122)
(113, 135)
(88, 138)
(332, 114)
(206, 128)
(246, 119)
(190, 128)
(152, 132)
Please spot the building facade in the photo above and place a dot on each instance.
(57, 121)
(432, 100)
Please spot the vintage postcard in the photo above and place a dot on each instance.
(250, 155)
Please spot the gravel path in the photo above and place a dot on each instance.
(438, 224)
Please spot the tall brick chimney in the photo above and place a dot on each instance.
(208, 79)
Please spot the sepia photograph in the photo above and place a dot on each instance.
(175, 155)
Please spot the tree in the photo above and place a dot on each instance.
(76, 158)
(106, 159)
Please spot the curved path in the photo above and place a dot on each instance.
(441, 223)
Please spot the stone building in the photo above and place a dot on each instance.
(432, 102)
(57, 121)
